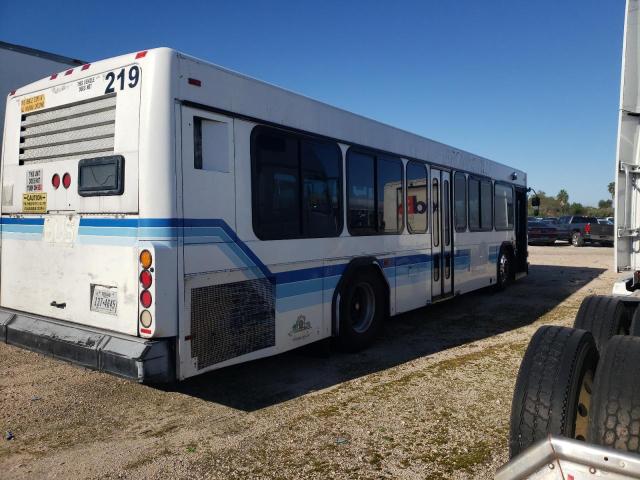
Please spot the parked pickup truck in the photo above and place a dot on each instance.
(579, 230)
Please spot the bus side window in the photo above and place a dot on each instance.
(417, 197)
(460, 201)
(210, 145)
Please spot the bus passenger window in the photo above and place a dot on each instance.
(416, 197)
(474, 204)
(360, 192)
(446, 213)
(504, 210)
(390, 216)
(322, 189)
(486, 210)
(296, 185)
(435, 194)
(460, 201)
(210, 145)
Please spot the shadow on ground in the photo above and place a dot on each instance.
(258, 384)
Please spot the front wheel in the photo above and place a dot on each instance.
(362, 310)
(577, 240)
(503, 274)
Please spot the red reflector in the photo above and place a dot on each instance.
(141, 54)
(195, 81)
(55, 180)
(145, 298)
(66, 180)
(146, 331)
(53, 76)
(85, 66)
(146, 279)
(69, 72)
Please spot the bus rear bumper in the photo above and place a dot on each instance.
(142, 360)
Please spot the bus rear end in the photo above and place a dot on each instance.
(70, 268)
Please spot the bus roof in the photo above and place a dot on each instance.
(403, 143)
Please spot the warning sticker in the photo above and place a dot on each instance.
(34, 180)
(34, 202)
(32, 103)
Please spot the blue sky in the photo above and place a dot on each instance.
(534, 85)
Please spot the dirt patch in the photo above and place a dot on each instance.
(430, 400)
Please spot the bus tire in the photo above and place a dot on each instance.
(504, 267)
(553, 387)
(634, 329)
(604, 316)
(577, 240)
(615, 407)
(362, 310)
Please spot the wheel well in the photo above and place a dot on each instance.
(356, 265)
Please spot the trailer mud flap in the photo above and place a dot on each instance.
(145, 361)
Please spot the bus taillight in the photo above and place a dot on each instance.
(146, 279)
(145, 298)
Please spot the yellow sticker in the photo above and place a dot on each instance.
(34, 202)
(32, 103)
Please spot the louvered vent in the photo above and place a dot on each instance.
(69, 132)
(231, 319)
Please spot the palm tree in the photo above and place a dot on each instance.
(563, 198)
(612, 189)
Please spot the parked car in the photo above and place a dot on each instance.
(541, 233)
(580, 230)
(605, 221)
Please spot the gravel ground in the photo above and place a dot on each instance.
(430, 399)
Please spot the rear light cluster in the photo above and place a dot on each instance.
(146, 299)
(587, 228)
(66, 180)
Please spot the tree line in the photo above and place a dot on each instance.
(560, 204)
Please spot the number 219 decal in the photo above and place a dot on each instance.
(119, 80)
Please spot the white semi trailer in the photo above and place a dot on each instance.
(22, 65)
(576, 403)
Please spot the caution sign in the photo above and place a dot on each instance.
(32, 103)
(34, 202)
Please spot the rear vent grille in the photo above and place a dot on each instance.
(231, 320)
(69, 132)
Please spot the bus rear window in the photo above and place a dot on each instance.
(101, 176)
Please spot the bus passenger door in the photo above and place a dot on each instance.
(441, 234)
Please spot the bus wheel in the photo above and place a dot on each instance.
(615, 417)
(577, 240)
(553, 389)
(604, 316)
(503, 275)
(362, 311)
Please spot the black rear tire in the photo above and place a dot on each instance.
(604, 316)
(615, 407)
(552, 392)
(577, 240)
(362, 310)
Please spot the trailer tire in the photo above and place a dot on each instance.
(604, 316)
(553, 387)
(362, 310)
(577, 240)
(615, 406)
(634, 329)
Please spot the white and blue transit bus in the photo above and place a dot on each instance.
(162, 217)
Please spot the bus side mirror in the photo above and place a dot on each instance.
(535, 203)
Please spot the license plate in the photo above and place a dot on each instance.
(104, 299)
